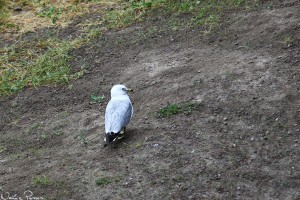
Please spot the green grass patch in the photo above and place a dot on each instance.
(2, 149)
(205, 13)
(82, 138)
(56, 12)
(131, 12)
(2, 4)
(138, 145)
(3, 12)
(287, 40)
(52, 12)
(102, 181)
(169, 110)
(23, 67)
(41, 181)
(178, 179)
(173, 109)
(97, 99)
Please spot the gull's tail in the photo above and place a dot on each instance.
(110, 137)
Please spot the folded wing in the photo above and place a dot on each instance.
(117, 115)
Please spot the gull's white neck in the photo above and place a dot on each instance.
(120, 96)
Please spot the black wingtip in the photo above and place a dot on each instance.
(110, 137)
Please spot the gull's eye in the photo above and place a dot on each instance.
(124, 89)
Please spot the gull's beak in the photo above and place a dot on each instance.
(130, 90)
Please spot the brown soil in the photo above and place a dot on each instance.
(242, 141)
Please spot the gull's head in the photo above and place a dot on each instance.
(118, 90)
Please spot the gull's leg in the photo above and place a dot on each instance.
(121, 135)
(123, 131)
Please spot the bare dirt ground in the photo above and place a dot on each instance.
(242, 141)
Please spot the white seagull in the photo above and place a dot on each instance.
(119, 111)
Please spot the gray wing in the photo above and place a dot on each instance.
(117, 115)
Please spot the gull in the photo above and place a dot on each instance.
(119, 111)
